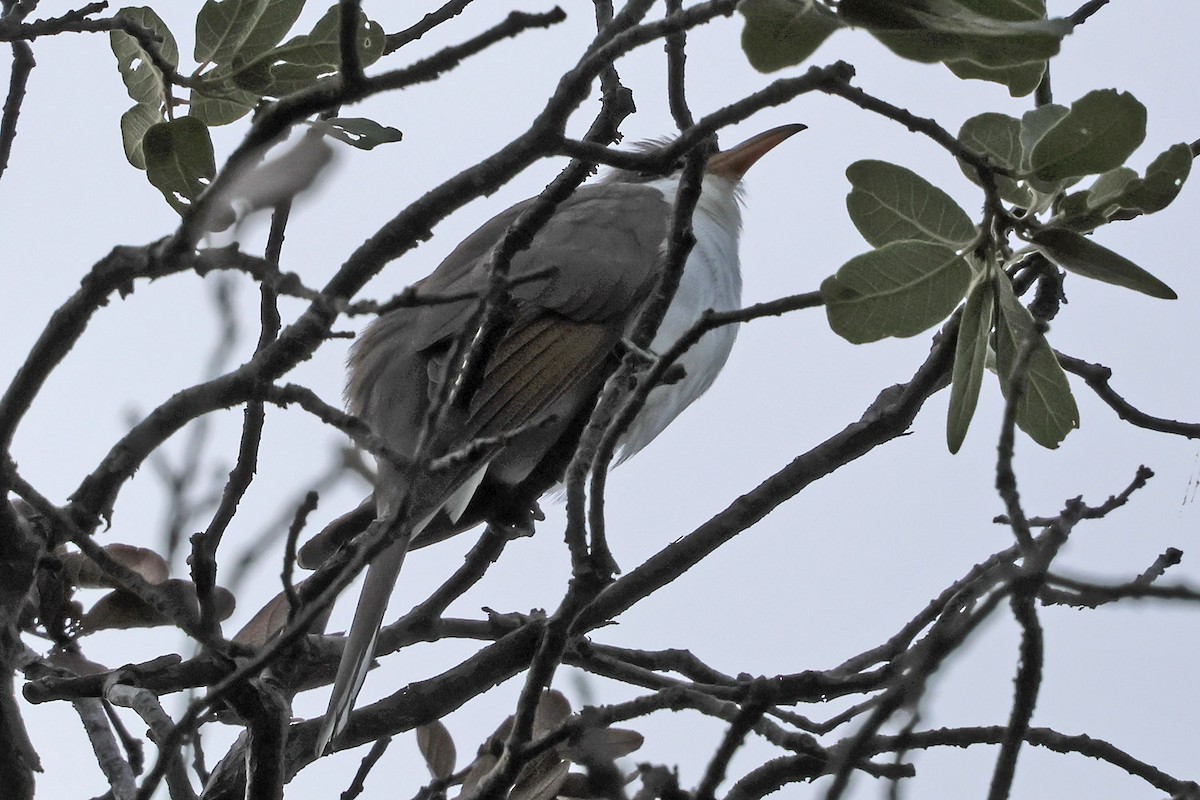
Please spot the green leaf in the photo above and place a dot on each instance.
(320, 48)
(302, 60)
(998, 137)
(230, 107)
(143, 80)
(1046, 408)
(946, 30)
(234, 88)
(365, 134)
(1021, 79)
(286, 78)
(783, 33)
(255, 78)
(134, 124)
(1084, 257)
(245, 28)
(1109, 187)
(1074, 214)
(179, 160)
(1121, 194)
(890, 203)
(1102, 129)
(1164, 178)
(970, 357)
(217, 100)
(900, 289)
(1013, 10)
(1035, 124)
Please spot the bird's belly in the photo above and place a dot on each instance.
(710, 281)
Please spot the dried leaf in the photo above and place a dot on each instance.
(120, 610)
(541, 778)
(269, 619)
(498, 736)
(603, 745)
(552, 711)
(437, 748)
(481, 766)
(81, 571)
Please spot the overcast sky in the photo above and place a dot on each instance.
(834, 571)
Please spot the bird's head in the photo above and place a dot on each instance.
(731, 164)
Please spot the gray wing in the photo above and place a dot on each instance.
(603, 242)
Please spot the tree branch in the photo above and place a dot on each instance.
(1097, 377)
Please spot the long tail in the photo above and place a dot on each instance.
(368, 615)
(360, 642)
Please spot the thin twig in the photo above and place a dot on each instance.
(676, 47)
(349, 12)
(1027, 684)
(22, 64)
(1006, 478)
(1051, 740)
(364, 768)
(591, 454)
(1086, 10)
(733, 739)
(1097, 377)
(427, 23)
(1083, 511)
(289, 552)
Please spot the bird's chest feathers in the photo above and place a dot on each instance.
(711, 280)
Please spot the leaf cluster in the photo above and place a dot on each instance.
(1003, 41)
(930, 256)
(242, 59)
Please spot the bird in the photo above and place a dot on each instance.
(558, 336)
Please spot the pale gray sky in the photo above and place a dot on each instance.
(834, 571)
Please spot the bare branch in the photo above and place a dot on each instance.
(108, 755)
(714, 774)
(1051, 740)
(1097, 377)
(1086, 10)
(1006, 478)
(352, 68)
(887, 418)
(427, 23)
(1027, 684)
(22, 64)
(364, 768)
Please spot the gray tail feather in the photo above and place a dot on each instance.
(360, 642)
(368, 615)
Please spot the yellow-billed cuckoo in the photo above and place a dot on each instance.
(560, 337)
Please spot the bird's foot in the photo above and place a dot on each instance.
(517, 524)
(673, 374)
(646, 356)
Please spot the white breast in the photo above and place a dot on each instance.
(711, 279)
